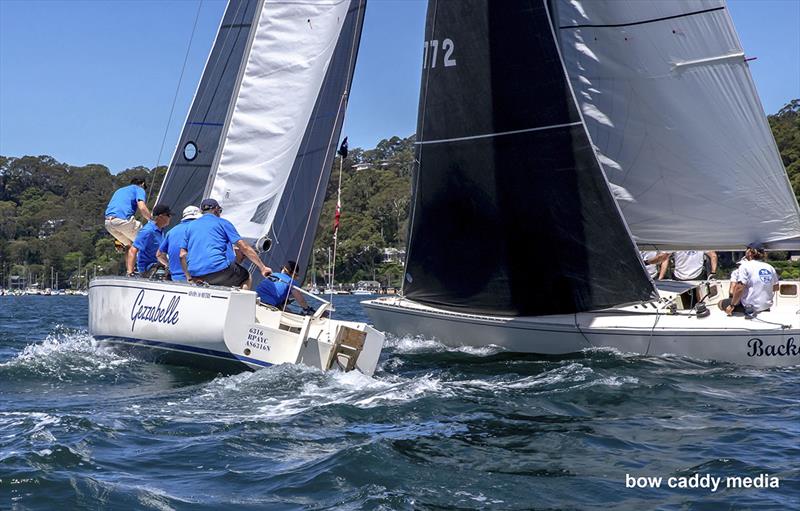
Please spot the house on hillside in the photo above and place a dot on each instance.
(394, 255)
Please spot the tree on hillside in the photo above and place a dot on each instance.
(786, 130)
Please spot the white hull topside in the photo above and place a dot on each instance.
(770, 339)
(218, 327)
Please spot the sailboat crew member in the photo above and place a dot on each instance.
(120, 221)
(275, 289)
(756, 283)
(169, 252)
(652, 259)
(145, 246)
(689, 265)
(205, 250)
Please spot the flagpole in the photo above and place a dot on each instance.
(336, 225)
(342, 155)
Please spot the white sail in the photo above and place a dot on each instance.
(673, 112)
(287, 64)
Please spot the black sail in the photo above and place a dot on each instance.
(201, 138)
(295, 224)
(512, 214)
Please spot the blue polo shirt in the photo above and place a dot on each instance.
(147, 242)
(123, 203)
(208, 242)
(275, 293)
(171, 245)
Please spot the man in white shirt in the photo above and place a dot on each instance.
(652, 259)
(755, 286)
(689, 265)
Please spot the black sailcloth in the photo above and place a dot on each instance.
(512, 214)
(201, 138)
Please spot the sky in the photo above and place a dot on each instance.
(93, 81)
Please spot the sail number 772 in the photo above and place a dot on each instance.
(432, 54)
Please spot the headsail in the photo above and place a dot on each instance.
(297, 214)
(278, 108)
(290, 57)
(512, 214)
(671, 107)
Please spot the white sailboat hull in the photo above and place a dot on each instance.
(221, 328)
(770, 340)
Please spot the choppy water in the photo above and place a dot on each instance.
(82, 427)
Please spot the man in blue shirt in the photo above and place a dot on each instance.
(205, 251)
(146, 244)
(275, 289)
(169, 252)
(120, 221)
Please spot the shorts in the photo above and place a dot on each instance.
(723, 304)
(124, 231)
(234, 275)
(702, 276)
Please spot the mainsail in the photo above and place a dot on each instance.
(670, 105)
(200, 139)
(512, 214)
(281, 102)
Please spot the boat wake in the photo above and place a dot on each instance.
(446, 417)
(420, 344)
(65, 355)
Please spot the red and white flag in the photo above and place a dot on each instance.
(343, 153)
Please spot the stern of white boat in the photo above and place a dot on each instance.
(279, 337)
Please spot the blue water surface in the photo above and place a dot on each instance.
(84, 427)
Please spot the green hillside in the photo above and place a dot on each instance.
(51, 213)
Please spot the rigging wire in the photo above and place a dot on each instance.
(652, 331)
(174, 100)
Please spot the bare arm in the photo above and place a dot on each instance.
(238, 255)
(298, 297)
(130, 262)
(162, 258)
(712, 256)
(664, 265)
(658, 258)
(738, 291)
(143, 210)
(185, 265)
(251, 254)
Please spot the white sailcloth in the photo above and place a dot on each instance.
(671, 107)
(285, 69)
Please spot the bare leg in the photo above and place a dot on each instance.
(247, 285)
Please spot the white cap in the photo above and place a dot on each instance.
(191, 213)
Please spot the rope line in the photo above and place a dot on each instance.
(174, 100)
